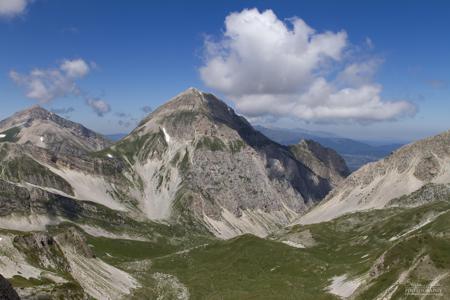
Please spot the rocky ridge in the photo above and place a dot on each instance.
(376, 184)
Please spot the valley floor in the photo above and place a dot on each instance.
(379, 254)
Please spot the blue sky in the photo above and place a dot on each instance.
(141, 53)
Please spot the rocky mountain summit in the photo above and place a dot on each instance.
(44, 129)
(192, 161)
(198, 160)
(376, 184)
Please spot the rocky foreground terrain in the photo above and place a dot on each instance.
(197, 204)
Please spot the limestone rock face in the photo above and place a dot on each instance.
(376, 184)
(324, 161)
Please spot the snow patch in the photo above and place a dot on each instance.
(42, 139)
(342, 287)
(166, 135)
(2, 136)
(109, 155)
(293, 244)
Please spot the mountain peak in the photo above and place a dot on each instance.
(192, 97)
(34, 112)
(192, 90)
(197, 151)
(36, 108)
(45, 129)
(26, 117)
(191, 102)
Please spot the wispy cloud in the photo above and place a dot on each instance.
(13, 8)
(46, 85)
(269, 67)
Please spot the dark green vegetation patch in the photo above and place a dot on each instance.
(10, 135)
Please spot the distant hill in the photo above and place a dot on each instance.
(355, 153)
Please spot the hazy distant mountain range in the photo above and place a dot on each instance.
(355, 153)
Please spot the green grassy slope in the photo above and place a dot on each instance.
(378, 247)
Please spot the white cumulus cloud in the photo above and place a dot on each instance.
(272, 68)
(12, 8)
(45, 85)
(76, 68)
